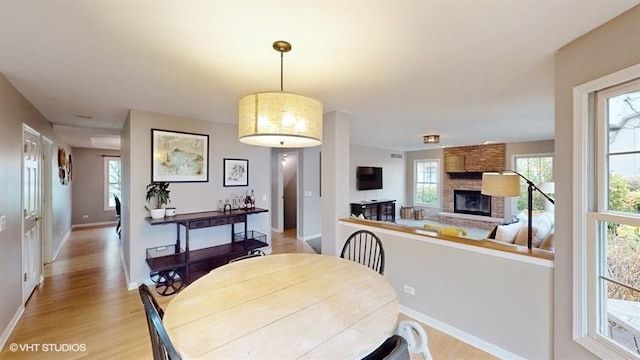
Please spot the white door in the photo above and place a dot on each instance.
(31, 211)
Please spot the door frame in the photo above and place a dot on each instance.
(46, 204)
(280, 189)
(38, 246)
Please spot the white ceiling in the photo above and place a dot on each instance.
(469, 70)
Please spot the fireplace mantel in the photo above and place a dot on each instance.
(494, 221)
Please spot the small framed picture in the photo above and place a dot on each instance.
(236, 172)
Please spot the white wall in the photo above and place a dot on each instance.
(605, 50)
(311, 218)
(186, 197)
(496, 301)
(393, 175)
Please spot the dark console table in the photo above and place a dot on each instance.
(172, 265)
(380, 210)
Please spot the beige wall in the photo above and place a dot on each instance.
(611, 47)
(495, 301)
(137, 234)
(88, 186)
(14, 111)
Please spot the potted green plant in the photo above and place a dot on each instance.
(157, 197)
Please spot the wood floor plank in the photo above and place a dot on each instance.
(83, 310)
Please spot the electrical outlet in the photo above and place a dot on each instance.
(409, 290)
(85, 216)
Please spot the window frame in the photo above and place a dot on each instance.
(106, 194)
(438, 183)
(514, 162)
(586, 216)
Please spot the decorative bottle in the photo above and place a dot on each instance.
(253, 199)
(247, 200)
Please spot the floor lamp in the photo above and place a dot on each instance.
(507, 183)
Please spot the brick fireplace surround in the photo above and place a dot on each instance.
(476, 160)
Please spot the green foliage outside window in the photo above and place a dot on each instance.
(538, 169)
(426, 182)
(426, 194)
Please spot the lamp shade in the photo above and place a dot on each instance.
(547, 187)
(280, 119)
(500, 184)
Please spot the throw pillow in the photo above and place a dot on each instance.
(544, 223)
(547, 243)
(507, 233)
(523, 236)
(451, 231)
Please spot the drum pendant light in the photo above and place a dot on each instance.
(280, 119)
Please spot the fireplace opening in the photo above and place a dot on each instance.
(471, 202)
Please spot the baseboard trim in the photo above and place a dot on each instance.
(309, 237)
(56, 252)
(12, 324)
(96, 224)
(461, 335)
(127, 280)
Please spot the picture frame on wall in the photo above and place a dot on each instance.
(179, 156)
(235, 172)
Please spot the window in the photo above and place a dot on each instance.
(607, 198)
(426, 182)
(112, 182)
(538, 169)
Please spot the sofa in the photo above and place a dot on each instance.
(516, 232)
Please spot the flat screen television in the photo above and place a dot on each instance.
(368, 178)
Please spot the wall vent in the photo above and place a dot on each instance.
(396, 156)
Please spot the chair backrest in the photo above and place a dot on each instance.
(416, 338)
(117, 204)
(364, 247)
(253, 253)
(160, 343)
(394, 348)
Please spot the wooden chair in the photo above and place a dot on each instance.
(416, 338)
(253, 253)
(364, 247)
(118, 209)
(160, 343)
(394, 348)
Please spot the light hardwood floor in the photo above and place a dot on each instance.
(83, 310)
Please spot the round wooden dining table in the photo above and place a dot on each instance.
(285, 306)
